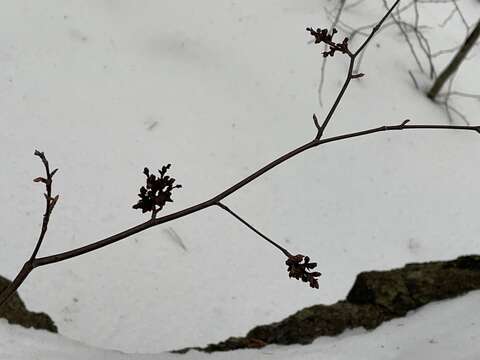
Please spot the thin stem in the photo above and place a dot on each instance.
(236, 216)
(49, 201)
(375, 29)
(15, 284)
(350, 74)
(337, 100)
(398, 127)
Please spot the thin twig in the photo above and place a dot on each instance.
(251, 227)
(407, 39)
(49, 205)
(461, 94)
(413, 79)
(460, 14)
(49, 200)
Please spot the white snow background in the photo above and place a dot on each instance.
(219, 89)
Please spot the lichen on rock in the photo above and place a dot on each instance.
(15, 311)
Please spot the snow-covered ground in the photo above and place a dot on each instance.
(442, 331)
(218, 89)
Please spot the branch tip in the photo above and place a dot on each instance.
(40, 179)
(375, 29)
(315, 121)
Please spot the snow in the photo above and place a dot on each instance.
(219, 89)
(422, 334)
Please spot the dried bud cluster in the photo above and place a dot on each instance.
(322, 35)
(299, 270)
(157, 193)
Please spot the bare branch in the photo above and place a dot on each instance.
(49, 200)
(413, 79)
(251, 227)
(376, 28)
(317, 125)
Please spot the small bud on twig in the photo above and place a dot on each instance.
(356, 76)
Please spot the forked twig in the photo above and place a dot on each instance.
(50, 203)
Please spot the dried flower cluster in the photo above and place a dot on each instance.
(157, 193)
(322, 35)
(301, 271)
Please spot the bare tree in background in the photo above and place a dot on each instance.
(407, 18)
(455, 63)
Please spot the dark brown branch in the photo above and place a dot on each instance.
(28, 267)
(376, 28)
(49, 205)
(49, 200)
(422, 41)
(15, 284)
(461, 94)
(413, 79)
(251, 227)
(216, 200)
(407, 38)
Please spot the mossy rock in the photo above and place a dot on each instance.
(405, 289)
(375, 297)
(15, 312)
